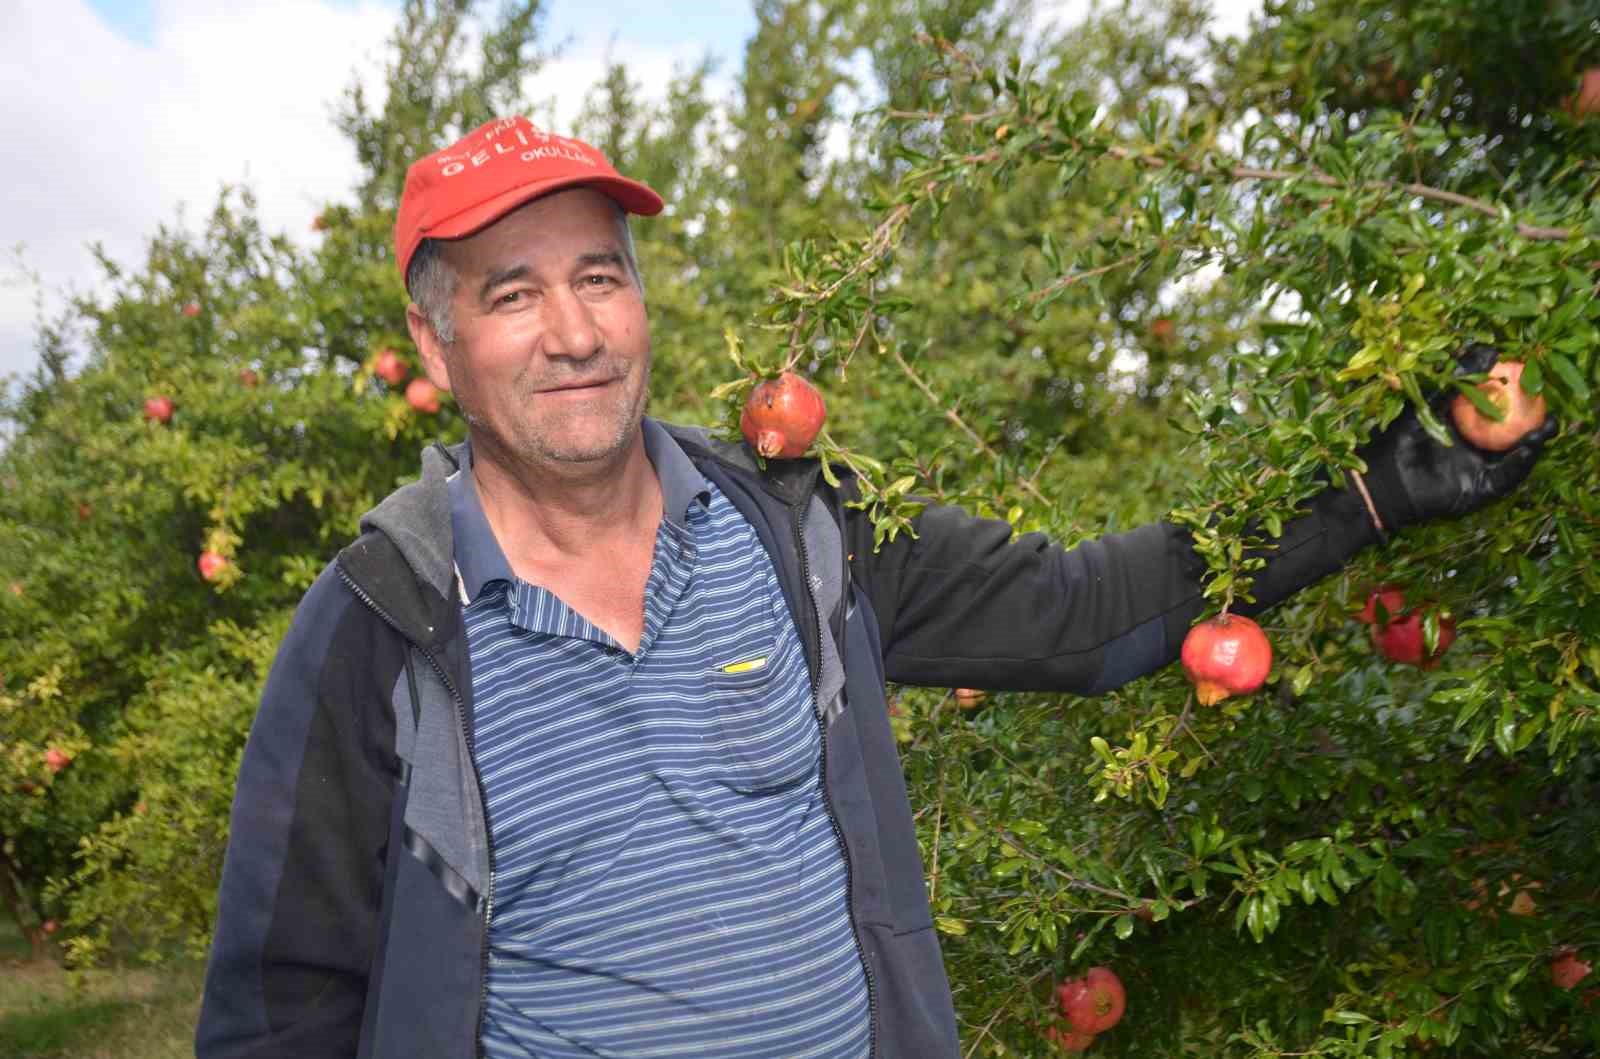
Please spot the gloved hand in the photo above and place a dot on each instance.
(1412, 478)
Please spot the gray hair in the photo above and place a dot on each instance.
(431, 280)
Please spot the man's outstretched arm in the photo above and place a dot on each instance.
(964, 605)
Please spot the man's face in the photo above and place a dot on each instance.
(551, 361)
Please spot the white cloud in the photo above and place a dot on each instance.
(114, 135)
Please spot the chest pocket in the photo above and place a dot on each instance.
(765, 730)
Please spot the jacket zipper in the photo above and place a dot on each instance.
(472, 762)
(827, 799)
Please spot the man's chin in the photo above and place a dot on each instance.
(578, 452)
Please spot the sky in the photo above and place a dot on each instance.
(137, 112)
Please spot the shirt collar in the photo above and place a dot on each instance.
(479, 558)
(682, 484)
(478, 554)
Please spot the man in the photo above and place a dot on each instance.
(581, 749)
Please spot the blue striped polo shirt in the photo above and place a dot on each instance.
(666, 878)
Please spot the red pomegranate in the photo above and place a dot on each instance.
(782, 416)
(1390, 598)
(1566, 970)
(211, 565)
(1068, 1040)
(390, 367)
(423, 396)
(1093, 1003)
(1522, 411)
(158, 409)
(1226, 655)
(1402, 640)
(1586, 101)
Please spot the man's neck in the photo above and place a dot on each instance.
(556, 514)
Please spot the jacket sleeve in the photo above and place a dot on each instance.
(964, 605)
(301, 885)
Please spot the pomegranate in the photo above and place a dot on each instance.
(1384, 603)
(1093, 1003)
(249, 378)
(969, 698)
(1068, 1040)
(191, 309)
(158, 409)
(211, 565)
(1522, 411)
(1586, 101)
(1402, 640)
(1566, 970)
(56, 759)
(782, 416)
(423, 396)
(1226, 655)
(49, 926)
(390, 367)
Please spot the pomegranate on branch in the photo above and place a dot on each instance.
(1224, 656)
(1094, 1003)
(783, 416)
(1520, 411)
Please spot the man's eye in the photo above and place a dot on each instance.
(509, 297)
(598, 280)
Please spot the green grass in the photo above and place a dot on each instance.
(116, 1013)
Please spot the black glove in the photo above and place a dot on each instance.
(1413, 478)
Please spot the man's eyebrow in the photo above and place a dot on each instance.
(590, 259)
(602, 257)
(499, 276)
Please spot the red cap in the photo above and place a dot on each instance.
(494, 169)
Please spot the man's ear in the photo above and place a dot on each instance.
(428, 346)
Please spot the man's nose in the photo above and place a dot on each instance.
(571, 330)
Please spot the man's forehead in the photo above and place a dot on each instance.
(558, 229)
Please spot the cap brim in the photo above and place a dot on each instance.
(629, 194)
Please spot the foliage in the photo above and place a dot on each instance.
(1076, 279)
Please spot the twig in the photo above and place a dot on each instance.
(880, 243)
(1063, 282)
(1049, 451)
(1321, 179)
(950, 414)
(983, 1031)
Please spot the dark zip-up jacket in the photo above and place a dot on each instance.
(359, 877)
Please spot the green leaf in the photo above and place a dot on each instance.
(1569, 375)
(1349, 1018)
(1480, 400)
